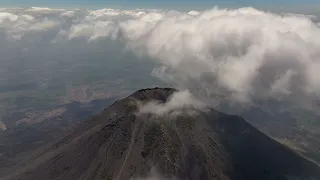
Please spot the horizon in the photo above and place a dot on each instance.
(296, 6)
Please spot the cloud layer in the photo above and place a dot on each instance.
(239, 54)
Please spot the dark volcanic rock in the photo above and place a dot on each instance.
(119, 144)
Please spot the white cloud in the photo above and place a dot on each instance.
(43, 26)
(105, 12)
(111, 13)
(93, 31)
(26, 24)
(243, 51)
(68, 13)
(5, 16)
(240, 53)
(282, 84)
(43, 10)
(193, 13)
(27, 17)
(176, 103)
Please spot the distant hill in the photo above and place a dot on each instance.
(120, 144)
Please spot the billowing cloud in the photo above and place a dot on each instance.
(93, 31)
(5, 16)
(236, 53)
(176, 103)
(240, 53)
(68, 13)
(27, 24)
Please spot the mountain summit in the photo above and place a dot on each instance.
(122, 144)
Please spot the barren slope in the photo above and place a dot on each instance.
(118, 144)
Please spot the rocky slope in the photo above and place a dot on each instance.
(120, 144)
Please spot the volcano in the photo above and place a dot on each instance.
(121, 144)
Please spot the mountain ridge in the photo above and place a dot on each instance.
(119, 144)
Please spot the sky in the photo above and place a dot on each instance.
(295, 5)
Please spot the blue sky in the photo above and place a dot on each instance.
(189, 4)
